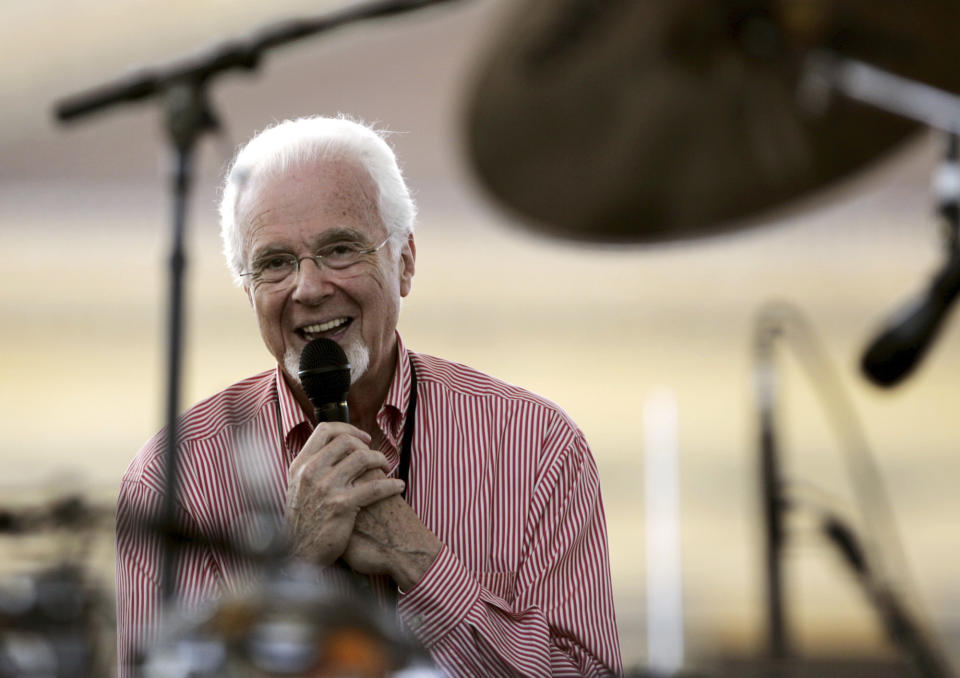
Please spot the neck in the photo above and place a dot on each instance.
(368, 394)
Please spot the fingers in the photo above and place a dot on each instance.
(334, 459)
(361, 464)
(373, 491)
(327, 430)
(330, 481)
(327, 457)
(332, 441)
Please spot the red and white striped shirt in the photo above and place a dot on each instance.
(503, 477)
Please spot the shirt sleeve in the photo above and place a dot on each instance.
(138, 572)
(561, 621)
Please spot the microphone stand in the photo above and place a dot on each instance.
(778, 321)
(182, 85)
(765, 376)
(903, 342)
(907, 336)
(188, 117)
(901, 628)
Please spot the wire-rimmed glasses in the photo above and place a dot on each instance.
(279, 267)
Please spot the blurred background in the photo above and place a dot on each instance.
(600, 329)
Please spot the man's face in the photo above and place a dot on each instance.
(301, 211)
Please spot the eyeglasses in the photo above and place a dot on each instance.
(272, 269)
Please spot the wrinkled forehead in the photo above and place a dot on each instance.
(335, 191)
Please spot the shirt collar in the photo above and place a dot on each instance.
(391, 414)
(389, 418)
(291, 414)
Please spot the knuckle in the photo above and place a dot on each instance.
(337, 443)
(339, 503)
(381, 491)
(360, 458)
(306, 477)
(374, 458)
(323, 486)
(370, 475)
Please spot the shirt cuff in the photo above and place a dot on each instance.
(440, 600)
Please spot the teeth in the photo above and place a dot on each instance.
(323, 327)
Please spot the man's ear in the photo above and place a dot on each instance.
(408, 265)
(249, 293)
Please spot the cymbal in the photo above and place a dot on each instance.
(650, 120)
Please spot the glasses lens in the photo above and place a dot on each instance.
(279, 267)
(342, 255)
(276, 268)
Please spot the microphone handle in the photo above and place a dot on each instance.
(333, 412)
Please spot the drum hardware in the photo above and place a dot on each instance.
(293, 623)
(642, 122)
(52, 618)
(874, 569)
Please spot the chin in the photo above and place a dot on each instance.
(358, 355)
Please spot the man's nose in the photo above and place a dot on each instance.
(312, 282)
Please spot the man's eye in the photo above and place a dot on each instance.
(343, 251)
(274, 263)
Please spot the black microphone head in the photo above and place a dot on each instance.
(901, 345)
(897, 350)
(324, 372)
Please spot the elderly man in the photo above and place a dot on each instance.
(495, 547)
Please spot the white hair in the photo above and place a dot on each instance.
(293, 144)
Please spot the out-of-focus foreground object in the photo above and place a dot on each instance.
(641, 121)
(55, 620)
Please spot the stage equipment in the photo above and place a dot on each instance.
(909, 333)
(898, 622)
(905, 338)
(625, 121)
(55, 620)
(182, 86)
(878, 562)
(290, 625)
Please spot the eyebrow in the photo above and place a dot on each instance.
(332, 235)
(268, 250)
(338, 235)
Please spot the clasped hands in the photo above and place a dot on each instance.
(341, 504)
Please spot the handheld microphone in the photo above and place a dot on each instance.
(325, 376)
(901, 345)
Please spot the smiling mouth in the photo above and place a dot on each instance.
(311, 332)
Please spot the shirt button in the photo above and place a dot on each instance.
(416, 622)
